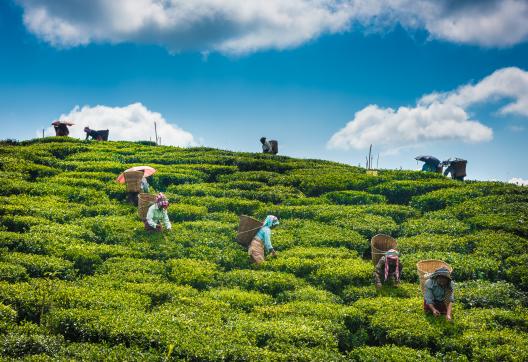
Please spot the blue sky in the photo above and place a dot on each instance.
(301, 93)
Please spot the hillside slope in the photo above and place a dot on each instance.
(80, 278)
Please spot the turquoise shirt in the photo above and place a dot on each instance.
(264, 234)
(155, 215)
(434, 293)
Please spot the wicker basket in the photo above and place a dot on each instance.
(133, 181)
(247, 229)
(379, 244)
(144, 202)
(426, 267)
(274, 146)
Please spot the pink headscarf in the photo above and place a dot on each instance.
(161, 200)
(392, 254)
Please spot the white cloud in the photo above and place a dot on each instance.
(241, 26)
(130, 123)
(436, 116)
(519, 181)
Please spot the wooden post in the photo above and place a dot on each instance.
(156, 132)
(43, 133)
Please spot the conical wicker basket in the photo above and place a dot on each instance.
(426, 267)
(247, 229)
(380, 244)
(144, 202)
(133, 181)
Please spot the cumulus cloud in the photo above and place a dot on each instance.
(130, 123)
(518, 181)
(241, 26)
(437, 116)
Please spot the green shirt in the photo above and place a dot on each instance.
(155, 215)
(434, 293)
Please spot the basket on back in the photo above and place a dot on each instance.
(133, 180)
(274, 146)
(144, 202)
(427, 267)
(380, 244)
(247, 229)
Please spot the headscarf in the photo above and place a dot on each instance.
(392, 254)
(443, 271)
(161, 200)
(271, 221)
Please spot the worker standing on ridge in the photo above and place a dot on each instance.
(439, 293)
(457, 168)
(157, 216)
(61, 128)
(266, 146)
(389, 266)
(256, 249)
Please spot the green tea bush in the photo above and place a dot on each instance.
(337, 274)
(181, 212)
(435, 224)
(354, 198)
(242, 299)
(398, 321)
(401, 191)
(439, 199)
(134, 269)
(435, 242)
(389, 353)
(398, 213)
(12, 272)
(223, 204)
(484, 294)
(41, 265)
(197, 273)
(7, 317)
(267, 282)
(29, 339)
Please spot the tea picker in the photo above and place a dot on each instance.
(439, 293)
(457, 168)
(388, 267)
(61, 127)
(101, 135)
(431, 164)
(157, 217)
(136, 181)
(270, 146)
(256, 236)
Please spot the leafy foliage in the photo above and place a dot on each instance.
(80, 278)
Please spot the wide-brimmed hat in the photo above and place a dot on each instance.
(441, 272)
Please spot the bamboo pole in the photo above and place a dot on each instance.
(156, 132)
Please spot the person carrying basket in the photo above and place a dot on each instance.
(256, 247)
(388, 266)
(439, 293)
(157, 217)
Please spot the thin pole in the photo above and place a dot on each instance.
(156, 132)
(43, 133)
(370, 157)
(377, 163)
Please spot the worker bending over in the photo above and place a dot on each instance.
(266, 146)
(389, 267)
(439, 293)
(256, 247)
(157, 216)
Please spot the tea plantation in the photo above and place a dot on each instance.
(80, 279)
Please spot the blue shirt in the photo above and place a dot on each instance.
(434, 293)
(264, 234)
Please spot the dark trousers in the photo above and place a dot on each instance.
(133, 197)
